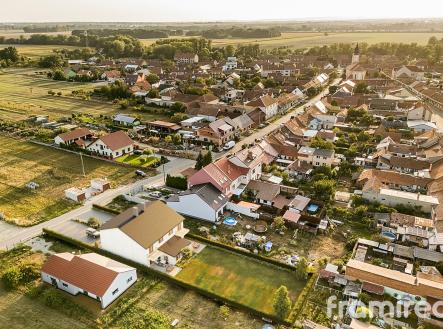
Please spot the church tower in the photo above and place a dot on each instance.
(356, 55)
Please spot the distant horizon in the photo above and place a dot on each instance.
(200, 11)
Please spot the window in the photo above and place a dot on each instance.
(64, 284)
(115, 291)
(129, 279)
(151, 249)
(171, 232)
(161, 240)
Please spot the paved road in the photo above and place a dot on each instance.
(277, 123)
(11, 235)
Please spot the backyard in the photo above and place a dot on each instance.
(54, 171)
(239, 278)
(138, 160)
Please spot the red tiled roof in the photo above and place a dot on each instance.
(117, 140)
(74, 134)
(80, 272)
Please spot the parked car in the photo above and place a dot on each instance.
(229, 145)
(92, 232)
(140, 173)
(155, 194)
(138, 152)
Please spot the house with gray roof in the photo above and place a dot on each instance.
(201, 201)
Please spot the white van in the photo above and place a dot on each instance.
(229, 145)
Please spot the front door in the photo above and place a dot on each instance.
(54, 282)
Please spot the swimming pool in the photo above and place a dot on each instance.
(312, 208)
(230, 221)
(389, 235)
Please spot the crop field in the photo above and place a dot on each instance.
(35, 51)
(23, 93)
(312, 39)
(54, 170)
(238, 278)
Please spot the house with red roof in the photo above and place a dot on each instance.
(92, 275)
(70, 137)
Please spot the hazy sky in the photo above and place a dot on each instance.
(210, 10)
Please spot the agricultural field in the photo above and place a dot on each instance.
(312, 39)
(239, 278)
(54, 170)
(34, 51)
(23, 93)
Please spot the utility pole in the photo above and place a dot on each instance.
(83, 165)
(164, 173)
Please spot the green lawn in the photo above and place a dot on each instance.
(137, 160)
(54, 170)
(239, 278)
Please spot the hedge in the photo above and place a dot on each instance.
(151, 272)
(302, 299)
(112, 211)
(241, 251)
(178, 182)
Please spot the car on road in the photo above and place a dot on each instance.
(140, 173)
(229, 145)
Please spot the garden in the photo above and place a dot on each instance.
(143, 160)
(239, 278)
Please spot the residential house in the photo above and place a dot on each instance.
(112, 145)
(420, 111)
(421, 126)
(267, 104)
(133, 79)
(71, 137)
(111, 76)
(92, 275)
(163, 127)
(322, 121)
(408, 71)
(149, 234)
(218, 132)
(317, 157)
(186, 58)
(202, 201)
(126, 120)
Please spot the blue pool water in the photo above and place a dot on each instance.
(391, 236)
(312, 208)
(230, 221)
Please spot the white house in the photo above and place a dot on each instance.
(231, 64)
(322, 121)
(393, 198)
(317, 157)
(420, 112)
(421, 126)
(93, 275)
(147, 234)
(200, 201)
(408, 71)
(267, 104)
(126, 120)
(113, 145)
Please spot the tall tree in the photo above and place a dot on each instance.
(301, 271)
(199, 161)
(282, 302)
(207, 158)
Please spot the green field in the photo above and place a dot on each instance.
(35, 51)
(312, 39)
(54, 170)
(24, 93)
(239, 278)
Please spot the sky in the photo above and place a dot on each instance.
(211, 10)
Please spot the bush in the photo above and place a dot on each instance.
(93, 222)
(179, 182)
(11, 278)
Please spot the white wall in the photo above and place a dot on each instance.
(242, 210)
(121, 283)
(117, 242)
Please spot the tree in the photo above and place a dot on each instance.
(9, 54)
(207, 158)
(361, 88)
(199, 161)
(177, 107)
(282, 303)
(93, 222)
(153, 78)
(324, 189)
(168, 139)
(279, 223)
(11, 278)
(59, 75)
(154, 93)
(301, 272)
(51, 61)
